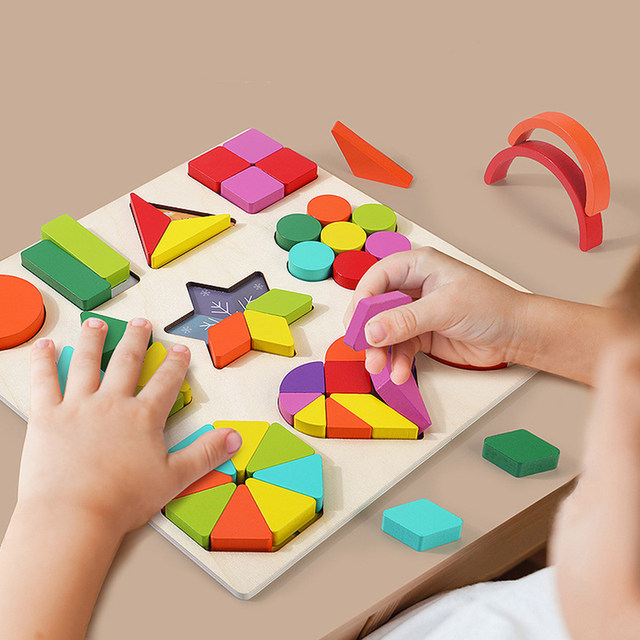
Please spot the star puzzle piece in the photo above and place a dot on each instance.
(233, 321)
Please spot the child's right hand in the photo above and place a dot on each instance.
(459, 314)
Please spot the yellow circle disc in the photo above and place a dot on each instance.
(343, 236)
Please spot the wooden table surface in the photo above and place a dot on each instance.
(100, 100)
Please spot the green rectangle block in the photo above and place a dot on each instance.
(520, 453)
(83, 245)
(68, 276)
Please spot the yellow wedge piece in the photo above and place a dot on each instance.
(252, 433)
(385, 422)
(312, 419)
(285, 511)
(153, 359)
(270, 333)
(183, 235)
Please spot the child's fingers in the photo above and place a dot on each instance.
(84, 369)
(45, 388)
(205, 454)
(123, 372)
(162, 390)
(376, 359)
(431, 313)
(402, 356)
(404, 271)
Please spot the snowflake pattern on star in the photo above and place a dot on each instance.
(213, 304)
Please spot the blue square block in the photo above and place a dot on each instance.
(421, 524)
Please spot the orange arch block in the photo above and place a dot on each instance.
(580, 141)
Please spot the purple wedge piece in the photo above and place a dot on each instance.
(368, 308)
(405, 398)
(307, 378)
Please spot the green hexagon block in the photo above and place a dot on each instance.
(520, 453)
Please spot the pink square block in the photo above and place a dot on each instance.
(252, 190)
(252, 145)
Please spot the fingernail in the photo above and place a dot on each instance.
(233, 442)
(95, 323)
(43, 343)
(375, 332)
(179, 348)
(139, 322)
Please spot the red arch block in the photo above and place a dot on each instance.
(565, 169)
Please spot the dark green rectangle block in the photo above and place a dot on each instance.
(68, 276)
(520, 453)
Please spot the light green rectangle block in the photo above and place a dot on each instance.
(80, 243)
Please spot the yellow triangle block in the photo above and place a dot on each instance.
(270, 333)
(312, 419)
(183, 235)
(252, 433)
(385, 422)
(285, 511)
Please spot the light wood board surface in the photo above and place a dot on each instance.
(355, 472)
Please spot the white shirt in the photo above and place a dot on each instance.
(525, 609)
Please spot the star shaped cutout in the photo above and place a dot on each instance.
(246, 316)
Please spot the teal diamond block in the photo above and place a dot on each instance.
(421, 524)
(520, 453)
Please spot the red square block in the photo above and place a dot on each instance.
(290, 168)
(214, 166)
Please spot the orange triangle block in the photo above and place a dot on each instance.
(366, 161)
(341, 423)
(150, 222)
(241, 526)
(208, 481)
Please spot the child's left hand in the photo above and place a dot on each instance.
(100, 452)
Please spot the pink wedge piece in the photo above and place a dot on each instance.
(405, 398)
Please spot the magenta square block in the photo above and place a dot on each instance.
(252, 190)
(252, 145)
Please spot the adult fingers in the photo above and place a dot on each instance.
(205, 454)
(45, 388)
(123, 372)
(376, 359)
(434, 312)
(162, 390)
(84, 370)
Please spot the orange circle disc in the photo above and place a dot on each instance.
(329, 208)
(21, 311)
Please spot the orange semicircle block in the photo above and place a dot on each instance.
(580, 141)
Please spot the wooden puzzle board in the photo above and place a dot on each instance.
(356, 472)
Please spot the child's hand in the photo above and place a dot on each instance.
(597, 532)
(100, 452)
(459, 314)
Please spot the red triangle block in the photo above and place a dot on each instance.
(150, 222)
(341, 423)
(366, 161)
(241, 527)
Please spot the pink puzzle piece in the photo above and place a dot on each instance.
(252, 145)
(290, 403)
(405, 398)
(368, 308)
(252, 190)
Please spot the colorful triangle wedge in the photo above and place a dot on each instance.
(150, 222)
(366, 161)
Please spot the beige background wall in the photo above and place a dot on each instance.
(99, 98)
